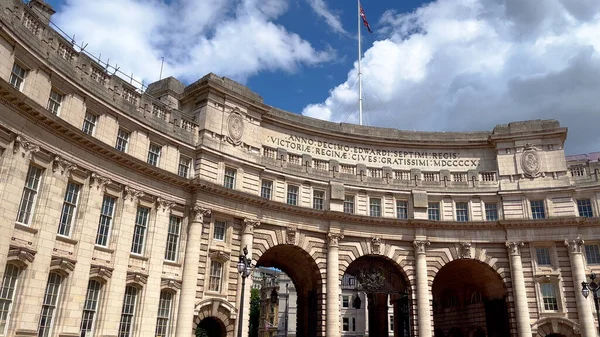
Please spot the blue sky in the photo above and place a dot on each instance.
(441, 65)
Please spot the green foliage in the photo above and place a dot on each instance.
(254, 312)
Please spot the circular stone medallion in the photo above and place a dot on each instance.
(235, 127)
(531, 162)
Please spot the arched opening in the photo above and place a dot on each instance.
(383, 307)
(301, 314)
(211, 327)
(468, 293)
(556, 335)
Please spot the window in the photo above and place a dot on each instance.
(216, 270)
(462, 211)
(543, 256)
(89, 123)
(549, 296)
(345, 301)
(105, 222)
(318, 199)
(292, 195)
(173, 238)
(184, 166)
(374, 206)
(229, 179)
(54, 102)
(592, 254)
(154, 154)
(491, 211)
(139, 230)
(584, 206)
(266, 189)
(68, 209)
(401, 209)
(346, 324)
(354, 324)
(7, 294)
(219, 233)
(537, 209)
(49, 305)
(349, 204)
(433, 211)
(30, 191)
(90, 307)
(164, 314)
(17, 76)
(128, 311)
(122, 140)
(392, 323)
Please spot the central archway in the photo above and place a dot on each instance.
(210, 327)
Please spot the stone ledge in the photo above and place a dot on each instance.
(25, 228)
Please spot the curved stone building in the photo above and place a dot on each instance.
(124, 213)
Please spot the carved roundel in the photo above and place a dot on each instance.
(531, 162)
(235, 127)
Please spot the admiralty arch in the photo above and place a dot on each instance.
(124, 213)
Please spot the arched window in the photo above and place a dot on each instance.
(128, 311)
(90, 308)
(475, 297)
(7, 294)
(50, 304)
(165, 309)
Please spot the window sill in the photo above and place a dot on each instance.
(172, 263)
(104, 249)
(215, 294)
(25, 228)
(138, 257)
(66, 239)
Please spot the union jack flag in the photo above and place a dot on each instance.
(364, 19)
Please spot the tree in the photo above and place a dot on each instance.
(254, 312)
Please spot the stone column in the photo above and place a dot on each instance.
(332, 328)
(248, 226)
(423, 305)
(520, 293)
(584, 310)
(187, 297)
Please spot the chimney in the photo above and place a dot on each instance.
(42, 10)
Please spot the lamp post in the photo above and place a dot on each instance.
(243, 268)
(593, 287)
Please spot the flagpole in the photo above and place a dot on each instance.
(360, 99)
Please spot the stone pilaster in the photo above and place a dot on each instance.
(520, 293)
(423, 305)
(248, 226)
(187, 297)
(584, 309)
(332, 328)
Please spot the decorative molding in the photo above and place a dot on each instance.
(62, 166)
(290, 236)
(101, 272)
(514, 247)
(547, 278)
(65, 265)
(420, 246)
(21, 255)
(235, 127)
(99, 181)
(249, 225)
(167, 283)
(135, 277)
(334, 238)
(217, 255)
(574, 246)
(465, 250)
(26, 146)
(132, 194)
(531, 162)
(164, 204)
(376, 245)
(198, 213)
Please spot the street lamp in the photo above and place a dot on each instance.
(593, 287)
(243, 268)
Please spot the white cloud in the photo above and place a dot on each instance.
(471, 64)
(332, 20)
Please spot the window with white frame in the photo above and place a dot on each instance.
(266, 189)
(346, 324)
(17, 76)
(538, 210)
(89, 123)
(433, 211)
(69, 209)
(219, 233)
(122, 140)
(90, 308)
(401, 209)
(128, 311)
(105, 222)
(462, 211)
(349, 204)
(345, 301)
(292, 195)
(154, 154)
(216, 272)
(184, 166)
(49, 305)
(592, 254)
(542, 255)
(7, 294)
(584, 206)
(318, 199)
(139, 230)
(550, 300)
(54, 102)
(374, 206)
(165, 304)
(229, 178)
(29, 197)
(491, 211)
(173, 238)
(391, 322)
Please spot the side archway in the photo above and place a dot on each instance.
(555, 327)
(215, 317)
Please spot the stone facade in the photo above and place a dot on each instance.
(123, 213)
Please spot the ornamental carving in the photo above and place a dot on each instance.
(465, 250)
(290, 236)
(100, 181)
(250, 224)
(26, 146)
(62, 166)
(371, 280)
(574, 245)
(217, 255)
(376, 245)
(334, 239)
(167, 283)
(198, 213)
(514, 247)
(235, 127)
(132, 194)
(22, 256)
(101, 272)
(420, 246)
(531, 163)
(64, 265)
(164, 204)
(139, 278)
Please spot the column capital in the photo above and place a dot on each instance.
(198, 213)
(132, 194)
(514, 247)
(249, 225)
(99, 181)
(27, 147)
(164, 204)
(420, 246)
(62, 166)
(334, 238)
(574, 245)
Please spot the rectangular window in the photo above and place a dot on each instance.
(345, 301)
(537, 209)
(491, 211)
(354, 324)
(433, 211)
(584, 206)
(7, 294)
(154, 154)
(346, 324)
(374, 206)
(90, 307)
(128, 311)
(54, 102)
(17, 76)
(89, 123)
(391, 323)
(219, 233)
(462, 211)
(292, 195)
(122, 140)
(216, 271)
(592, 254)
(105, 222)
(139, 230)
(173, 238)
(349, 204)
(184, 166)
(549, 296)
(68, 210)
(266, 189)
(543, 256)
(29, 197)
(318, 199)
(164, 314)
(229, 178)
(401, 209)
(49, 305)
